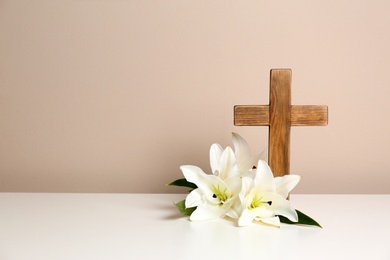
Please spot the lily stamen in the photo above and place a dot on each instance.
(222, 195)
(257, 202)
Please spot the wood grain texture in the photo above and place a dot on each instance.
(280, 118)
(251, 115)
(308, 115)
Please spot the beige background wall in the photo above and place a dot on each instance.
(113, 96)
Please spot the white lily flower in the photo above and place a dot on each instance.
(217, 193)
(264, 197)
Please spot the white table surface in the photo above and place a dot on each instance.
(147, 226)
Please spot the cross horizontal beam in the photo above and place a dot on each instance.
(248, 115)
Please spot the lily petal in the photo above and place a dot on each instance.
(247, 184)
(245, 161)
(246, 218)
(233, 212)
(286, 183)
(274, 221)
(241, 147)
(215, 156)
(194, 198)
(263, 212)
(227, 166)
(192, 173)
(235, 184)
(207, 211)
(281, 206)
(264, 177)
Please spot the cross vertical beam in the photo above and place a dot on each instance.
(280, 115)
(279, 122)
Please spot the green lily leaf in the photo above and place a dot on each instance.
(303, 219)
(183, 183)
(181, 206)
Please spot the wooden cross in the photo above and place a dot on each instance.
(280, 115)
